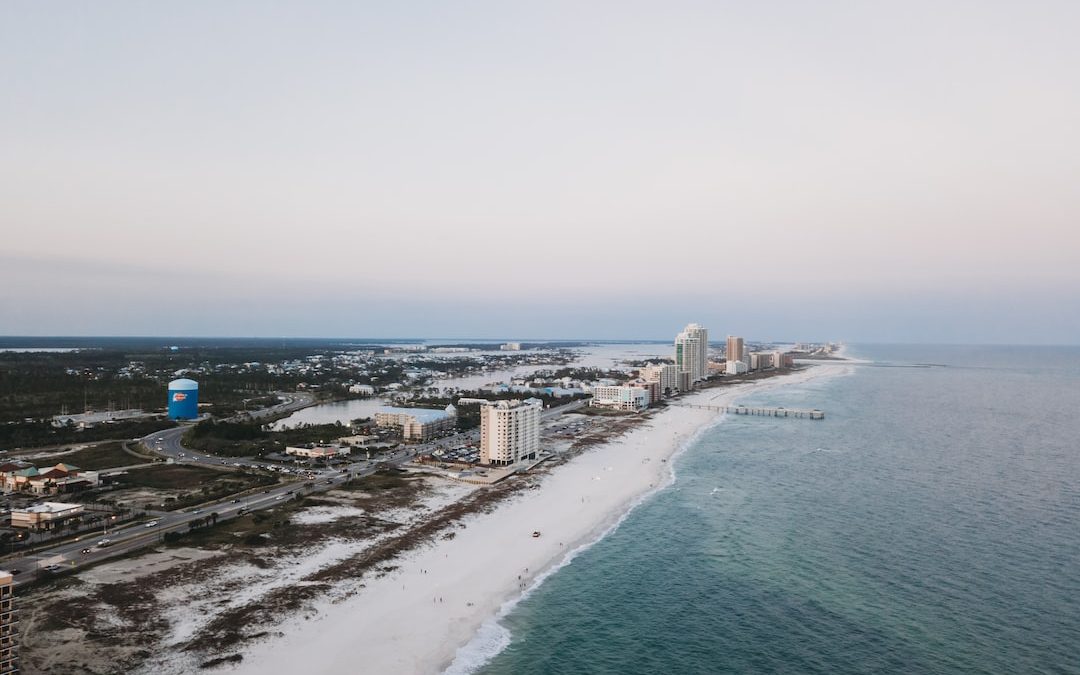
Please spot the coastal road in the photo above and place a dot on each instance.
(169, 442)
(84, 550)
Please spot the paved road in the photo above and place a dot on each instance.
(124, 539)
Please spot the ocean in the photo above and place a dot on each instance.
(930, 524)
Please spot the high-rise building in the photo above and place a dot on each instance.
(735, 349)
(663, 373)
(692, 352)
(510, 431)
(9, 635)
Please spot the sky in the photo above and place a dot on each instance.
(870, 172)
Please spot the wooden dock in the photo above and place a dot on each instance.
(814, 414)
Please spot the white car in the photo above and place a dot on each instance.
(152, 523)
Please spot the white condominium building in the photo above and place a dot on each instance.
(620, 398)
(692, 352)
(510, 431)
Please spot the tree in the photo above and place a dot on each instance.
(214, 517)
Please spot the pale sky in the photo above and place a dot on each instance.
(866, 171)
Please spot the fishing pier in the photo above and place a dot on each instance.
(814, 414)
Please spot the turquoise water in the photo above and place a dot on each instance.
(931, 524)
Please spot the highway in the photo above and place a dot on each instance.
(129, 537)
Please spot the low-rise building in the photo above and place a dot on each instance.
(736, 367)
(510, 431)
(359, 439)
(61, 478)
(46, 516)
(318, 451)
(621, 397)
(362, 389)
(418, 424)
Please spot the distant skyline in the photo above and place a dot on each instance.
(868, 172)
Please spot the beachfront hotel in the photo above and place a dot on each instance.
(9, 632)
(624, 397)
(692, 352)
(509, 431)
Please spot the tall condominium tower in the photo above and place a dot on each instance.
(9, 635)
(510, 431)
(692, 352)
(735, 348)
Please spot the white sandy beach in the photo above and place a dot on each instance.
(417, 617)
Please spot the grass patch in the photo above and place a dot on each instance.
(246, 530)
(382, 480)
(104, 456)
(200, 483)
(172, 476)
(590, 411)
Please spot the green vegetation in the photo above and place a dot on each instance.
(247, 439)
(581, 374)
(248, 530)
(601, 412)
(171, 476)
(104, 456)
(469, 415)
(40, 433)
(203, 484)
(381, 480)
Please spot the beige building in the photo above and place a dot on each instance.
(735, 349)
(692, 352)
(666, 375)
(46, 516)
(418, 424)
(9, 619)
(510, 431)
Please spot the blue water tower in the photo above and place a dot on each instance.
(183, 399)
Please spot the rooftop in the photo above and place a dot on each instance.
(50, 507)
(422, 415)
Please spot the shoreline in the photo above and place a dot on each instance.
(439, 608)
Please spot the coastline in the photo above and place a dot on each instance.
(439, 608)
